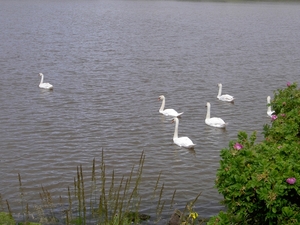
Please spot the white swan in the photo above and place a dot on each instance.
(269, 111)
(181, 141)
(44, 85)
(167, 112)
(214, 121)
(225, 98)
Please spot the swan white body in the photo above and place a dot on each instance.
(167, 112)
(224, 98)
(214, 121)
(44, 85)
(269, 110)
(181, 141)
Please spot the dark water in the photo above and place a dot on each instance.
(109, 61)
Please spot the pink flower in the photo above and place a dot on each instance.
(282, 114)
(274, 117)
(238, 146)
(291, 180)
(288, 84)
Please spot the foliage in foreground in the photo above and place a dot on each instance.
(110, 200)
(261, 182)
(6, 218)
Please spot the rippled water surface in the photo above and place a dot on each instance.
(109, 61)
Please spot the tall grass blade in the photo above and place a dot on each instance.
(9, 210)
(83, 196)
(21, 194)
(79, 199)
(173, 197)
(93, 189)
(157, 181)
(158, 207)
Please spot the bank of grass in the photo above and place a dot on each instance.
(114, 201)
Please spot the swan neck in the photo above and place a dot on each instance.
(269, 102)
(42, 79)
(162, 105)
(220, 91)
(269, 109)
(208, 112)
(176, 129)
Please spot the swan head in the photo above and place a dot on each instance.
(161, 97)
(174, 120)
(207, 105)
(41, 74)
(219, 85)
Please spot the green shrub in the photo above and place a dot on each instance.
(6, 219)
(261, 182)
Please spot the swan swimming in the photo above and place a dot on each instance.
(214, 121)
(167, 112)
(224, 98)
(181, 141)
(44, 85)
(269, 111)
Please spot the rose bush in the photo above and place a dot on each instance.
(259, 181)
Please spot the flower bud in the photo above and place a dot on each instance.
(238, 146)
(274, 117)
(291, 180)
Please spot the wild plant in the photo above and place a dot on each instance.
(260, 181)
(111, 200)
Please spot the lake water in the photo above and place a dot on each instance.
(109, 61)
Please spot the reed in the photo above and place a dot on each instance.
(114, 201)
(160, 206)
(68, 212)
(47, 206)
(157, 181)
(9, 210)
(80, 201)
(27, 213)
(173, 197)
(93, 188)
(78, 194)
(21, 195)
(121, 198)
(188, 209)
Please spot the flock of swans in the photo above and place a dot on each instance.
(210, 121)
